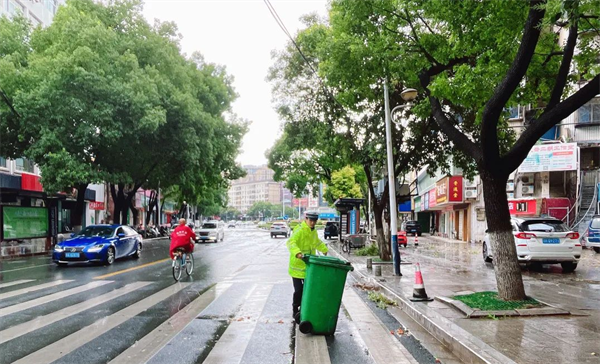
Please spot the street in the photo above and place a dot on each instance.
(236, 308)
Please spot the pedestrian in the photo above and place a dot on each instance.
(304, 241)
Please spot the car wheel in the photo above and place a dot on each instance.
(597, 250)
(419, 233)
(486, 256)
(138, 251)
(110, 256)
(568, 267)
(272, 236)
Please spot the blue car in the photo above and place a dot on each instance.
(99, 243)
(593, 235)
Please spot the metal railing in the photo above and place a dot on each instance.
(592, 204)
(577, 202)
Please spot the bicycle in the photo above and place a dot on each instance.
(182, 259)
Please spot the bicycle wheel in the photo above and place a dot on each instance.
(189, 264)
(177, 269)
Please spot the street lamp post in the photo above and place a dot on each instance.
(408, 95)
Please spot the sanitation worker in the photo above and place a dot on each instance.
(304, 241)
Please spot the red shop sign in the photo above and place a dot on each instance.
(456, 189)
(522, 207)
(95, 205)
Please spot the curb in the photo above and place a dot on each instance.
(465, 346)
(477, 313)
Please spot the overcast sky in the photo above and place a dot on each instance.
(240, 35)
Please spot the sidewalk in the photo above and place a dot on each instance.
(549, 339)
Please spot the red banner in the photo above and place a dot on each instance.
(522, 207)
(432, 198)
(95, 205)
(456, 189)
(31, 182)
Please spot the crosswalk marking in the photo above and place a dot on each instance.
(311, 349)
(42, 321)
(33, 288)
(53, 297)
(233, 343)
(71, 342)
(14, 283)
(384, 347)
(149, 345)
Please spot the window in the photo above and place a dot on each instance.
(24, 165)
(15, 7)
(589, 113)
(51, 5)
(35, 22)
(514, 112)
(3, 162)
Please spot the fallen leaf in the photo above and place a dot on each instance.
(280, 321)
(400, 332)
(437, 360)
(594, 354)
(392, 332)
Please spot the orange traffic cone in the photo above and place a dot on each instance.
(419, 293)
(416, 239)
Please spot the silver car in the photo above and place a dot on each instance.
(211, 231)
(542, 240)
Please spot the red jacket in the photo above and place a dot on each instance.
(180, 237)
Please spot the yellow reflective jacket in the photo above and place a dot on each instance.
(305, 241)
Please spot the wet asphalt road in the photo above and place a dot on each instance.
(236, 307)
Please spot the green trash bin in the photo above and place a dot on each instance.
(322, 296)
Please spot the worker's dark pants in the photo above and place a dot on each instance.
(298, 289)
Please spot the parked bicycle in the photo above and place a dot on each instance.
(182, 261)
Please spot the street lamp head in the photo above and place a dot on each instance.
(409, 94)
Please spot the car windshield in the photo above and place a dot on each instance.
(103, 231)
(209, 226)
(595, 223)
(548, 226)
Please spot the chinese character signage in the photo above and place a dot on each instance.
(432, 198)
(95, 205)
(441, 191)
(418, 204)
(456, 189)
(522, 207)
(551, 157)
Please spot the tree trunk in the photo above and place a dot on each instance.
(80, 204)
(130, 205)
(151, 206)
(506, 266)
(384, 247)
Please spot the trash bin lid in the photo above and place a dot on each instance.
(328, 261)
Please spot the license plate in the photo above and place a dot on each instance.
(551, 241)
(71, 255)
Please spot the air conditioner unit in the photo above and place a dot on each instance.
(473, 183)
(510, 195)
(510, 186)
(527, 190)
(527, 179)
(471, 193)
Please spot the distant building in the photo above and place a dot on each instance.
(38, 12)
(258, 185)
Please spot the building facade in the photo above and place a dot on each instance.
(258, 185)
(39, 13)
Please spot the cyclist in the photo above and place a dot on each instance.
(182, 237)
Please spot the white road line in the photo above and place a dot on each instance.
(69, 343)
(32, 289)
(149, 345)
(311, 349)
(42, 321)
(53, 297)
(233, 343)
(14, 283)
(383, 347)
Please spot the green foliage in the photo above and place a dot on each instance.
(489, 301)
(344, 184)
(368, 251)
(105, 96)
(269, 210)
(382, 301)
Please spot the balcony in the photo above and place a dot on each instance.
(581, 132)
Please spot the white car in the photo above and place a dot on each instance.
(280, 228)
(542, 240)
(211, 231)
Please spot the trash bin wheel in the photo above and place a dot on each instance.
(297, 317)
(306, 327)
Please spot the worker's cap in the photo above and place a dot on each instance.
(312, 216)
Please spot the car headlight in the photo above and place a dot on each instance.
(59, 249)
(96, 248)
